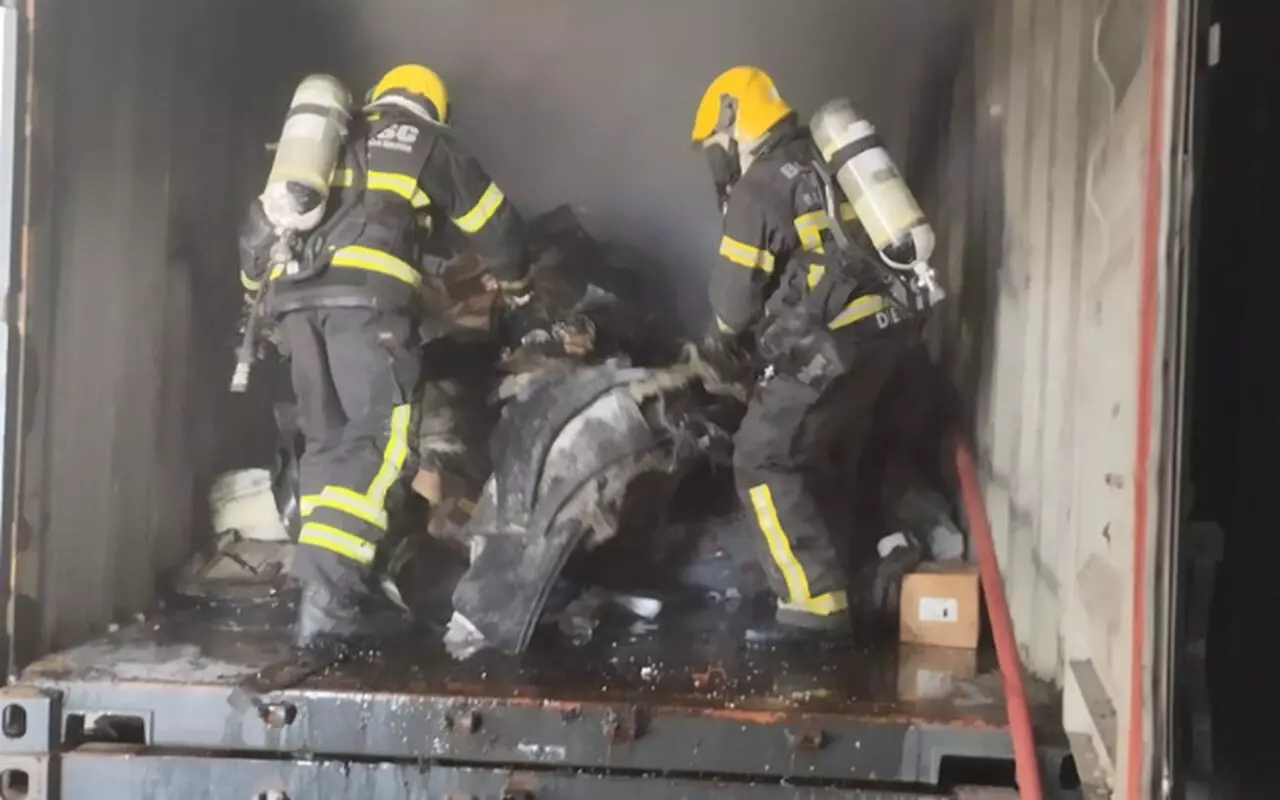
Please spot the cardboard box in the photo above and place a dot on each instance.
(932, 673)
(941, 606)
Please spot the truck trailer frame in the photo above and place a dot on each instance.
(160, 709)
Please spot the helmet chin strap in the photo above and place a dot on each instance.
(400, 101)
(746, 150)
(721, 138)
(747, 154)
(721, 153)
(727, 131)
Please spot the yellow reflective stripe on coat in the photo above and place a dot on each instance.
(779, 544)
(745, 255)
(482, 211)
(405, 186)
(359, 257)
(858, 310)
(723, 326)
(330, 538)
(809, 228)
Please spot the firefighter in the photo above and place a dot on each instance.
(826, 338)
(350, 321)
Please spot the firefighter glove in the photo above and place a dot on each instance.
(900, 553)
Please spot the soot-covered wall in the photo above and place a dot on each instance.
(149, 120)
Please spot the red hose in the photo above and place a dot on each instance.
(1148, 314)
(1015, 693)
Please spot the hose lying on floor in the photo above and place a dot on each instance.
(1024, 745)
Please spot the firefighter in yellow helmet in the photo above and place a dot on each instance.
(350, 319)
(824, 331)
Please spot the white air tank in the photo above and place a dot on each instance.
(310, 147)
(884, 204)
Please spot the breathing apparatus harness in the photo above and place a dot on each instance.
(852, 260)
(795, 340)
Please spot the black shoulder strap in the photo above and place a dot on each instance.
(423, 151)
(837, 269)
(313, 255)
(849, 261)
(358, 149)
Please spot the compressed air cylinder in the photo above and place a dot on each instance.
(869, 179)
(309, 149)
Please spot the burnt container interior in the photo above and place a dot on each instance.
(1020, 125)
(160, 115)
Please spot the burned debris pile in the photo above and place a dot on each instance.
(552, 456)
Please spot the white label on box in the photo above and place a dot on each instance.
(939, 609)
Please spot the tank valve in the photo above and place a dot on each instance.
(927, 280)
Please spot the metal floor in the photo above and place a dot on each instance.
(685, 697)
(681, 697)
(695, 660)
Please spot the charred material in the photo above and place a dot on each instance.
(570, 454)
(523, 441)
(605, 288)
(586, 420)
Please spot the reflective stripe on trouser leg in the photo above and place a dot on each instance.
(368, 368)
(334, 555)
(774, 449)
(798, 595)
(359, 510)
(345, 544)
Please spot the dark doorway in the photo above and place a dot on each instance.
(1234, 467)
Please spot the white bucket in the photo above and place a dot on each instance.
(241, 500)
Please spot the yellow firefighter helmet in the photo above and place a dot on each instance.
(742, 102)
(413, 83)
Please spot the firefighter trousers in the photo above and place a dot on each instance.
(783, 446)
(355, 374)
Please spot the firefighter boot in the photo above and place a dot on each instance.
(782, 627)
(324, 617)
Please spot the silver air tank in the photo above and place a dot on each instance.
(881, 199)
(310, 146)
